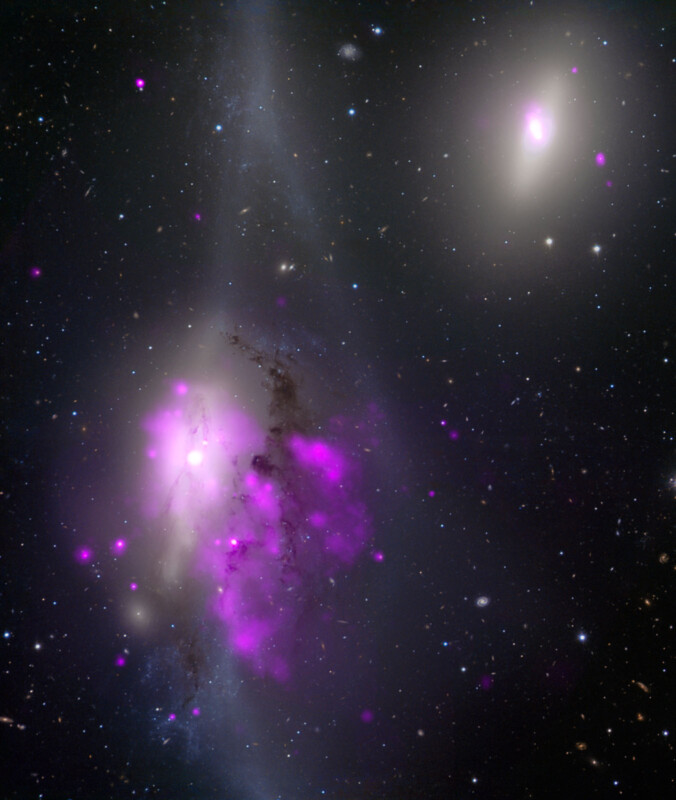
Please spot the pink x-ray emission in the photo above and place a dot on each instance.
(539, 128)
(263, 519)
(84, 555)
(118, 547)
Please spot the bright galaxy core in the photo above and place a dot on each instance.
(539, 129)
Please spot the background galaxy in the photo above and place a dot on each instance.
(337, 400)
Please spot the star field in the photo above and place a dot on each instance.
(337, 400)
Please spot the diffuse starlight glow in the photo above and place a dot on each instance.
(541, 122)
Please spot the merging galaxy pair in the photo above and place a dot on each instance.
(263, 517)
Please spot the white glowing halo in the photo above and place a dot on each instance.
(540, 126)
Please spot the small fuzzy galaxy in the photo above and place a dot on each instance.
(337, 400)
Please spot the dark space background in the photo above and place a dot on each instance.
(333, 181)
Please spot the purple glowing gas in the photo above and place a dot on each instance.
(263, 518)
